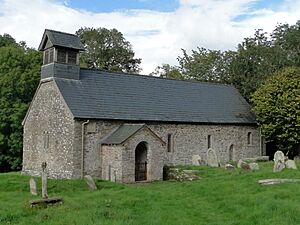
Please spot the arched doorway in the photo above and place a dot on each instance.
(231, 153)
(141, 161)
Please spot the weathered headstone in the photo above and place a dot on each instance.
(290, 164)
(90, 182)
(196, 160)
(212, 158)
(279, 160)
(44, 181)
(229, 167)
(32, 185)
(253, 166)
(245, 166)
(240, 163)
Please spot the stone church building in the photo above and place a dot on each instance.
(124, 127)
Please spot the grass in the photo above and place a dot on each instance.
(220, 197)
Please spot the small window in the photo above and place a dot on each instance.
(46, 57)
(208, 141)
(46, 139)
(169, 142)
(72, 57)
(61, 56)
(249, 138)
(51, 55)
(231, 152)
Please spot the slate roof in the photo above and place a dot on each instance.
(122, 134)
(105, 95)
(61, 39)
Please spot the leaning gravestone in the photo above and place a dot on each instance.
(279, 160)
(32, 185)
(212, 158)
(90, 182)
(290, 164)
(196, 160)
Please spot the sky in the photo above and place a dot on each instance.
(157, 29)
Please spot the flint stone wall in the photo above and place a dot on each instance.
(48, 134)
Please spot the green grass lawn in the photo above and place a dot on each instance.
(220, 197)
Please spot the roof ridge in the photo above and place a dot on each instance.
(154, 77)
(56, 31)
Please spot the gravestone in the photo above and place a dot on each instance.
(240, 163)
(90, 182)
(290, 164)
(196, 160)
(279, 161)
(44, 181)
(229, 167)
(245, 166)
(32, 185)
(254, 166)
(212, 158)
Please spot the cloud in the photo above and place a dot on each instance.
(157, 37)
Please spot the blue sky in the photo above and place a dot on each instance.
(156, 5)
(157, 29)
(111, 5)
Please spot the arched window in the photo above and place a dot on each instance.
(231, 153)
(208, 141)
(249, 138)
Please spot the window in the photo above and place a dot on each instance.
(249, 138)
(169, 143)
(231, 152)
(61, 56)
(72, 57)
(209, 141)
(49, 56)
(46, 139)
(46, 57)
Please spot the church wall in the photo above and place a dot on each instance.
(186, 140)
(48, 134)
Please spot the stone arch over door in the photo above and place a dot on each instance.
(141, 151)
(231, 152)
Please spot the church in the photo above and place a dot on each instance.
(127, 127)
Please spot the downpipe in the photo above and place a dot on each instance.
(82, 146)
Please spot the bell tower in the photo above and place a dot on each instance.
(60, 55)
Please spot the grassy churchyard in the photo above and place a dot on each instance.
(219, 198)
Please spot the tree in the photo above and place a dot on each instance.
(167, 71)
(206, 65)
(19, 77)
(277, 106)
(107, 50)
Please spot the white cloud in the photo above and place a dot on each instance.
(157, 37)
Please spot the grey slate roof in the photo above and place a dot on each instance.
(61, 39)
(122, 134)
(104, 95)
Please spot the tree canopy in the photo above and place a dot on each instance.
(277, 106)
(19, 77)
(107, 50)
(255, 59)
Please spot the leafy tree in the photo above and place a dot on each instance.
(277, 106)
(107, 50)
(19, 77)
(206, 65)
(167, 71)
